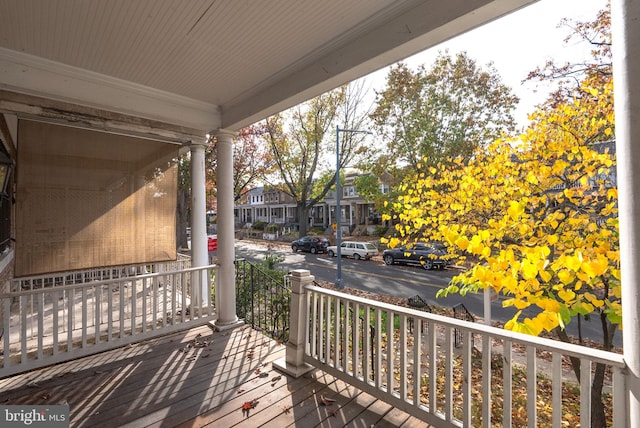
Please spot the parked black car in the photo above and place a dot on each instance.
(313, 244)
(429, 255)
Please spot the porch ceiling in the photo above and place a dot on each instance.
(208, 64)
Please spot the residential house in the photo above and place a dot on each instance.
(274, 206)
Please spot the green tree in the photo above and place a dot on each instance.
(448, 110)
(302, 142)
(428, 115)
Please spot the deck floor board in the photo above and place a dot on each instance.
(198, 378)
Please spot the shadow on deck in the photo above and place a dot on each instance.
(198, 378)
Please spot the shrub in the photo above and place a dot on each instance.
(379, 231)
(259, 225)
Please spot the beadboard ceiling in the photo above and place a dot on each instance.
(207, 64)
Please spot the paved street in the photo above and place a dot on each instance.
(398, 281)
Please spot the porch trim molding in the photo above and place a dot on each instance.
(42, 77)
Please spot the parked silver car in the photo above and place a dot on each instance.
(357, 250)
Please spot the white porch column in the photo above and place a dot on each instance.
(199, 251)
(226, 273)
(625, 27)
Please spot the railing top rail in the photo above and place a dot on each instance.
(90, 284)
(570, 349)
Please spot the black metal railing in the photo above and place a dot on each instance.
(418, 302)
(460, 312)
(263, 299)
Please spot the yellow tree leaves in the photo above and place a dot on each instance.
(536, 216)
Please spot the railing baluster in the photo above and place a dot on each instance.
(619, 398)
(467, 355)
(532, 384)
(486, 381)
(314, 324)
(345, 337)
(40, 297)
(355, 342)
(134, 306)
(507, 384)
(433, 369)
(336, 334)
(84, 317)
(70, 311)
(417, 367)
(121, 315)
(307, 325)
(154, 302)
(367, 355)
(328, 328)
(322, 352)
(556, 390)
(585, 392)
(184, 286)
(402, 345)
(390, 353)
(109, 312)
(55, 327)
(448, 372)
(144, 304)
(97, 292)
(378, 349)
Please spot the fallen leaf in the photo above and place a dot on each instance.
(275, 380)
(240, 391)
(286, 409)
(248, 405)
(326, 400)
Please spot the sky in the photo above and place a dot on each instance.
(517, 44)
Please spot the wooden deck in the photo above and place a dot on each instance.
(198, 378)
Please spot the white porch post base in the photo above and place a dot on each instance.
(293, 363)
(221, 326)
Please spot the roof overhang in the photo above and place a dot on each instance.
(210, 64)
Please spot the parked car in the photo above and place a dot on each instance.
(313, 244)
(357, 250)
(429, 255)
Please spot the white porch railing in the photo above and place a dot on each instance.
(447, 372)
(54, 319)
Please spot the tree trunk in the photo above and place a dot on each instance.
(303, 219)
(182, 218)
(598, 418)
